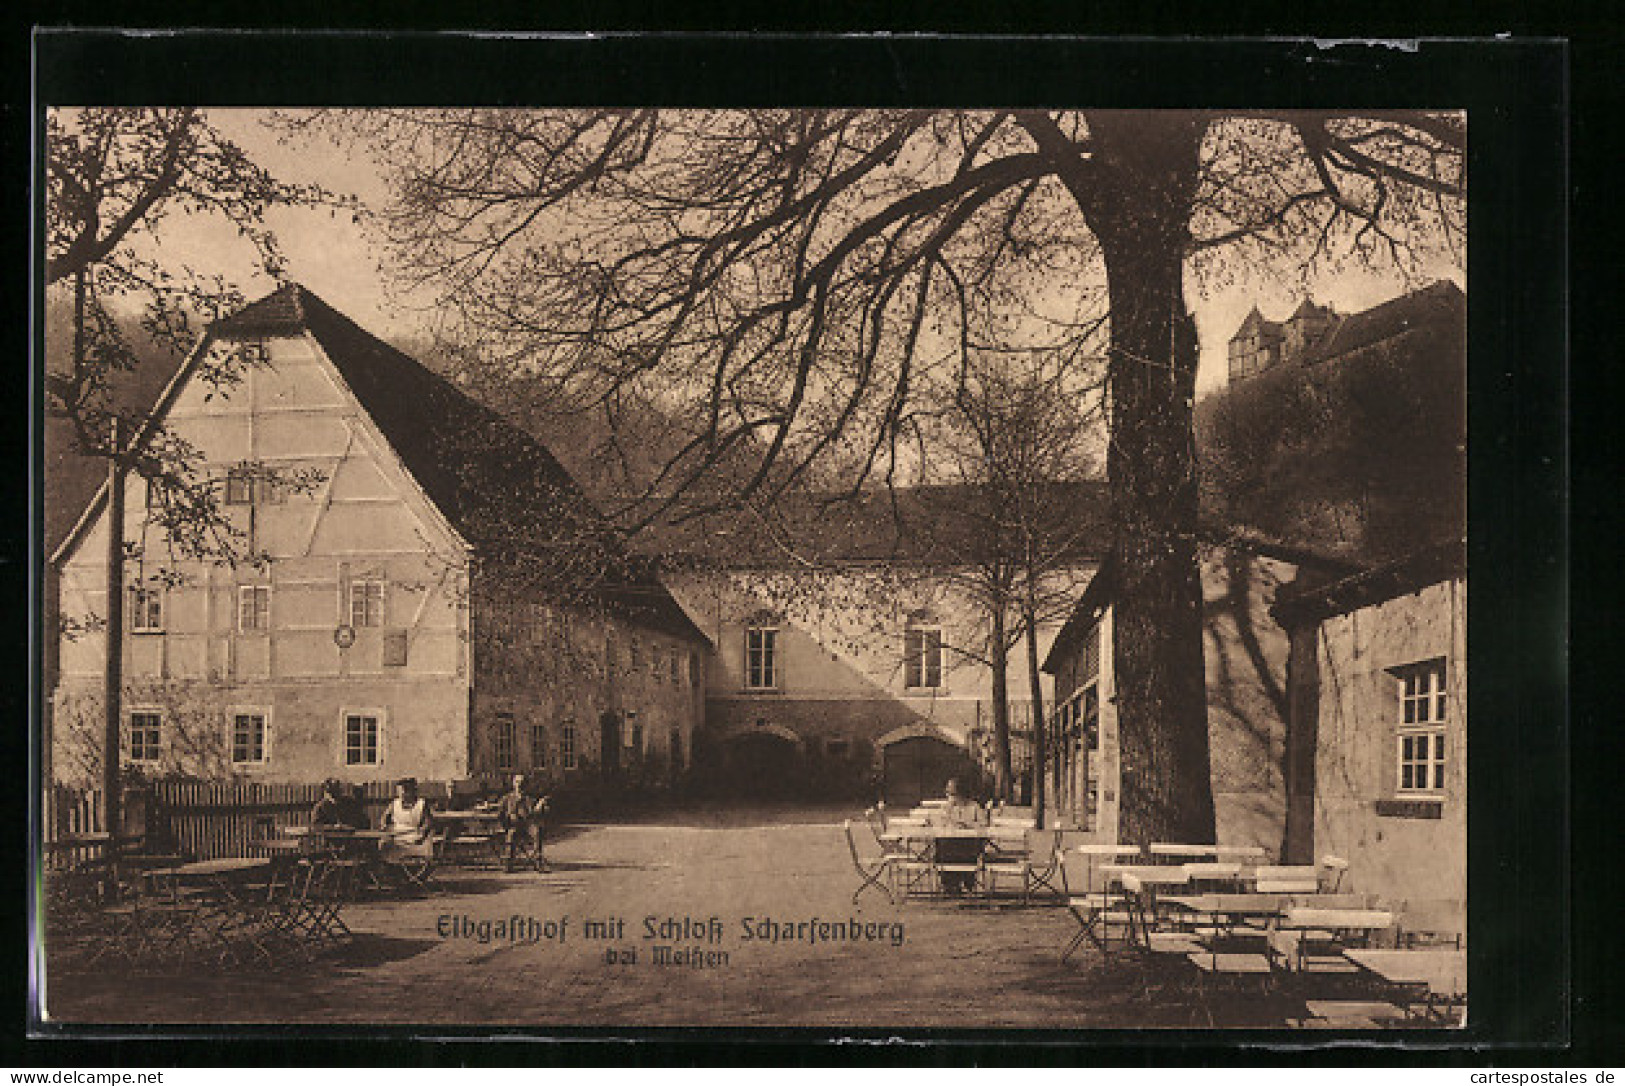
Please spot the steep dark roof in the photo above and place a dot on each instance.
(923, 525)
(1296, 605)
(486, 475)
(1255, 319)
(1441, 302)
(497, 485)
(1314, 567)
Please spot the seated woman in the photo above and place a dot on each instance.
(409, 823)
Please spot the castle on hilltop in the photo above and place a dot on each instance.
(1315, 333)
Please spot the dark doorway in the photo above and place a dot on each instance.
(762, 765)
(919, 768)
(609, 744)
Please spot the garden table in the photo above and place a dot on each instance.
(1434, 978)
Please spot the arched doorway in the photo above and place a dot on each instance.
(762, 764)
(918, 767)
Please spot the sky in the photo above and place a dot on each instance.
(337, 259)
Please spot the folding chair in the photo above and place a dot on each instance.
(1043, 872)
(1007, 857)
(415, 865)
(873, 872)
(1096, 911)
(329, 886)
(960, 871)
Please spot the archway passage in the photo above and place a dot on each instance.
(762, 765)
(919, 768)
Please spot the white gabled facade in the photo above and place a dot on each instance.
(265, 642)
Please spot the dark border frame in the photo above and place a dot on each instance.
(1516, 92)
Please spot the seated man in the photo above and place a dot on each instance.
(521, 824)
(353, 808)
(329, 810)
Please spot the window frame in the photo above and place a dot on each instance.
(364, 583)
(239, 489)
(504, 741)
(538, 744)
(138, 610)
(232, 716)
(916, 669)
(569, 758)
(768, 652)
(251, 352)
(1420, 742)
(380, 720)
(256, 590)
(157, 755)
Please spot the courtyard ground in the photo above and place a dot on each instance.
(422, 961)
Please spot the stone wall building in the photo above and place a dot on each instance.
(1378, 759)
(1245, 656)
(851, 645)
(437, 597)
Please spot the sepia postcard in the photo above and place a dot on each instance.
(855, 568)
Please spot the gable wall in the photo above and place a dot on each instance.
(364, 518)
(1417, 852)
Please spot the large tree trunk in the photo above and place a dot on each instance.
(998, 647)
(1147, 165)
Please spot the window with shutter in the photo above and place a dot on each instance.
(395, 642)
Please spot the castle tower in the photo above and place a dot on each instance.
(1307, 325)
(1255, 347)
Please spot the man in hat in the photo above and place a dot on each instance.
(521, 824)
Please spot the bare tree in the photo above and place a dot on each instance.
(113, 175)
(1025, 454)
(800, 277)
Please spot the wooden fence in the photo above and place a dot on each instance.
(201, 819)
(72, 812)
(207, 820)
